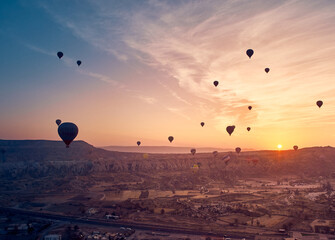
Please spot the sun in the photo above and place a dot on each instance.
(279, 146)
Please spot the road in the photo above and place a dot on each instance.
(136, 226)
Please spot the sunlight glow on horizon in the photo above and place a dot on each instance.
(148, 69)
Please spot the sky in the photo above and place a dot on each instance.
(148, 69)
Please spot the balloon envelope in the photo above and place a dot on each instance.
(193, 150)
(319, 103)
(250, 107)
(230, 129)
(216, 83)
(250, 52)
(215, 153)
(248, 128)
(170, 138)
(267, 70)
(60, 55)
(295, 147)
(138, 143)
(78, 63)
(58, 122)
(238, 149)
(68, 132)
(202, 124)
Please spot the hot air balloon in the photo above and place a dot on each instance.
(138, 143)
(226, 159)
(250, 107)
(215, 153)
(238, 149)
(248, 128)
(319, 103)
(295, 147)
(58, 122)
(78, 63)
(250, 52)
(202, 124)
(216, 83)
(267, 70)
(68, 132)
(170, 139)
(230, 129)
(193, 150)
(60, 55)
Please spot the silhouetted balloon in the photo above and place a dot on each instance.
(138, 143)
(68, 132)
(230, 129)
(193, 150)
(78, 63)
(295, 147)
(267, 70)
(202, 124)
(58, 122)
(215, 153)
(226, 159)
(248, 128)
(60, 55)
(170, 138)
(250, 52)
(216, 83)
(238, 149)
(319, 103)
(250, 107)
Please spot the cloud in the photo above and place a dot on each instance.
(148, 100)
(197, 42)
(72, 63)
(178, 111)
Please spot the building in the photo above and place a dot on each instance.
(323, 226)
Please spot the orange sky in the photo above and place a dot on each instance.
(148, 72)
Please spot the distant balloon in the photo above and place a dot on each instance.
(60, 55)
(193, 150)
(202, 124)
(215, 153)
(248, 128)
(267, 70)
(78, 63)
(58, 122)
(170, 139)
(250, 107)
(250, 52)
(138, 143)
(319, 103)
(238, 149)
(295, 147)
(216, 83)
(68, 132)
(230, 129)
(226, 159)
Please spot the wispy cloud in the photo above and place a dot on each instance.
(146, 99)
(197, 42)
(72, 63)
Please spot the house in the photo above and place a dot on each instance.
(323, 226)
